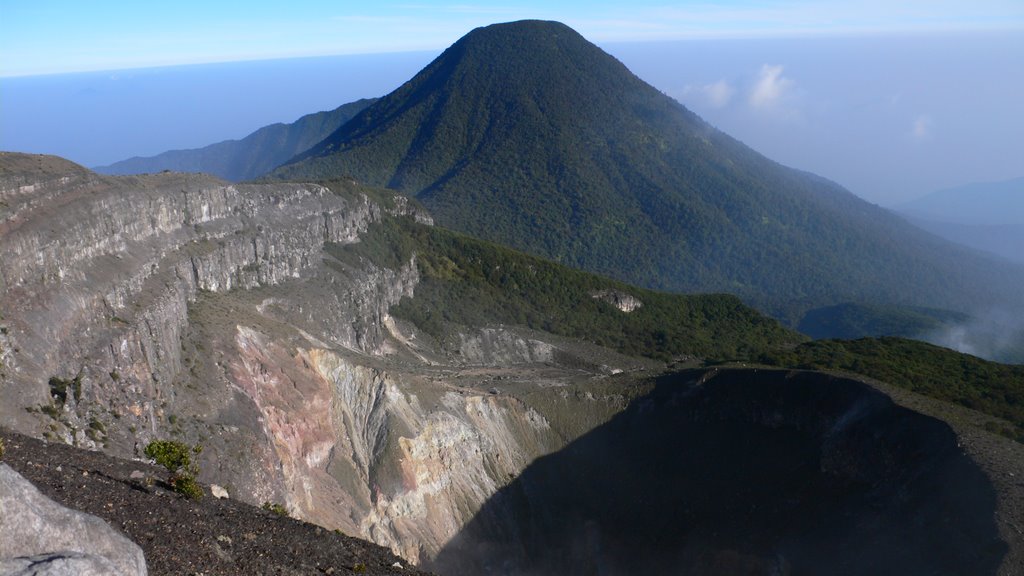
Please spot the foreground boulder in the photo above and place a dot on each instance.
(39, 536)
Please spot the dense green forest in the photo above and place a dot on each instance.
(471, 282)
(851, 320)
(528, 135)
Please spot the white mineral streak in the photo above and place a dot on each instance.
(448, 461)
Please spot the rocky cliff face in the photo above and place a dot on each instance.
(176, 305)
(98, 275)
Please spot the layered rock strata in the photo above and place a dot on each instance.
(177, 305)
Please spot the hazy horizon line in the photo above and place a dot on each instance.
(759, 36)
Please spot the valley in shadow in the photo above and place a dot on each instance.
(751, 472)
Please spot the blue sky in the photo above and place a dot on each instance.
(56, 36)
(891, 99)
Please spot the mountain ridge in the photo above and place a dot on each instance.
(987, 216)
(981, 203)
(250, 156)
(528, 135)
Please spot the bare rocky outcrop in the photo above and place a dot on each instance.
(99, 273)
(401, 456)
(39, 536)
(496, 347)
(177, 305)
(621, 300)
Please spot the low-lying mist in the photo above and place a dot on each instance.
(993, 334)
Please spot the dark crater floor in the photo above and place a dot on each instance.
(744, 472)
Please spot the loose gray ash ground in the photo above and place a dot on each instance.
(190, 537)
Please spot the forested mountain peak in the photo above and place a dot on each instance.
(527, 134)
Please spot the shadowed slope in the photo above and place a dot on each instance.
(744, 472)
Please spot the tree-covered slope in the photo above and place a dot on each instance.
(528, 135)
(465, 282)
(252, 156)
(850, 320)
(469, 282)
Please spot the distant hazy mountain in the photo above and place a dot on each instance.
(254, 155)
(1004, 240)
(987, 216)
(988, 203)
(529, 135)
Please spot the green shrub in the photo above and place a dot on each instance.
(1, 448)
(59, 388)
(275, 508)
(170, 454)
(96, 430)
(176, 457)
(186, 485)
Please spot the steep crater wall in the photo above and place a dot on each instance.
(98, 274)
(743, 472)
(178, 306)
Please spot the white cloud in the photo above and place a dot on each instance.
(770, 87)
(717, 94)
(922, 127)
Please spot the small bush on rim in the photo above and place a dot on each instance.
(176, 457)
